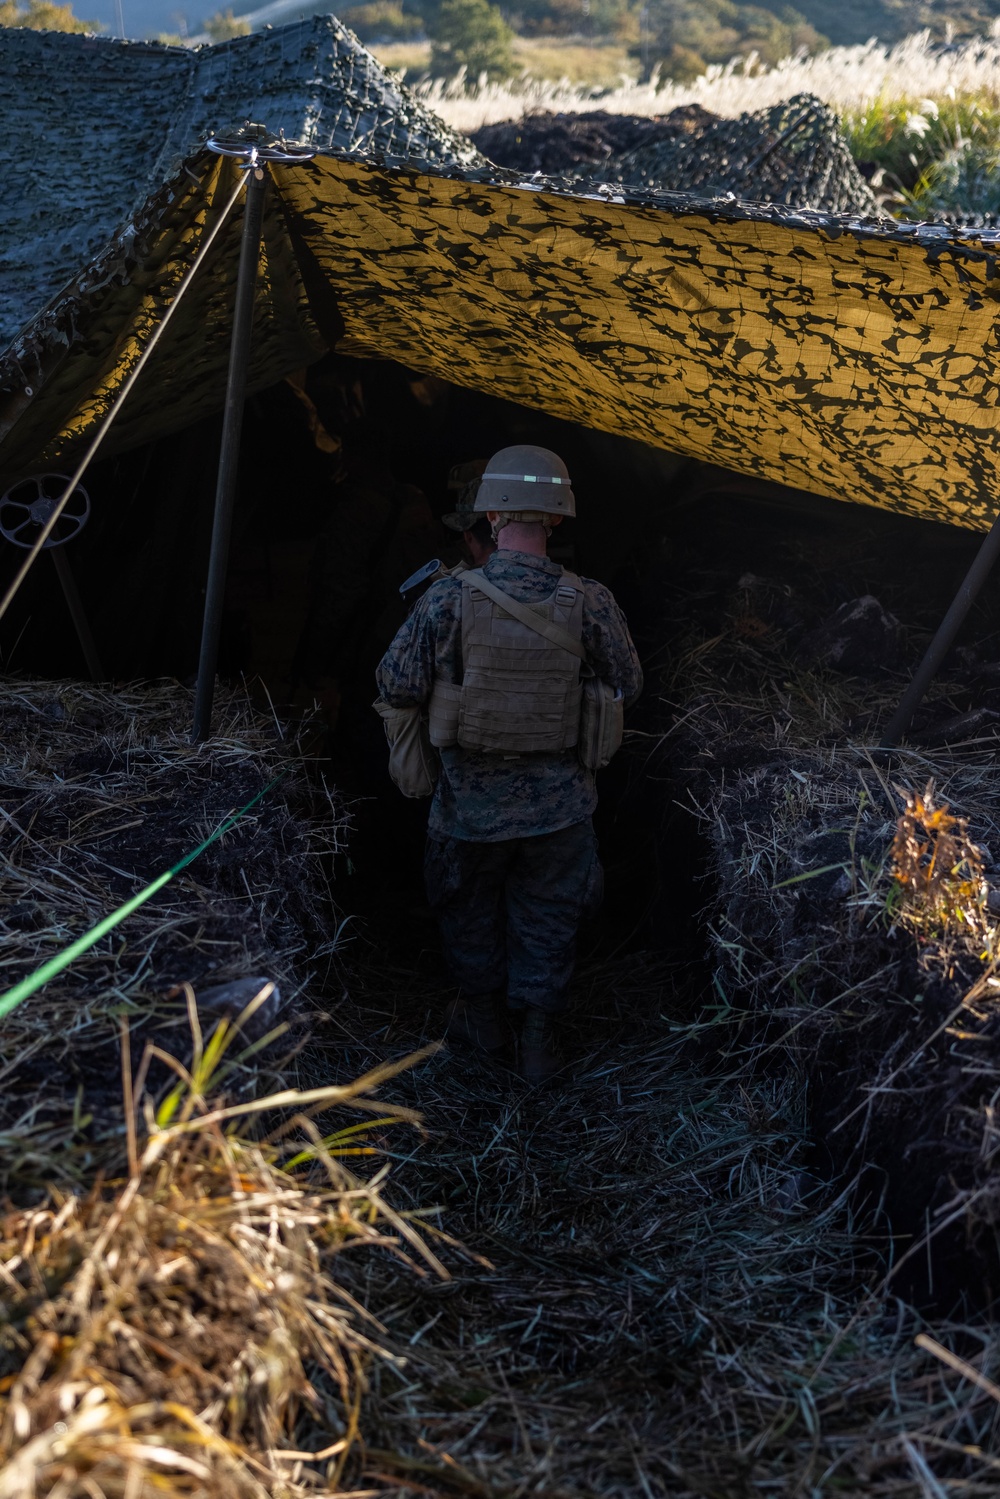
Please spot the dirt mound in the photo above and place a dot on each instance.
(556, 143)
(882, 998)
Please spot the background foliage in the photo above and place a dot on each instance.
(42, 15)
(678, 39)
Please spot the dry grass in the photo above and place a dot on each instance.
(101, 791)
(677, 1306)
(836, 950)
(668, 1302)
(671, 1304)
(938, 871)
(602, 65)
(409, 58)
(183, 1332)
(668, 1298)
(848, 78)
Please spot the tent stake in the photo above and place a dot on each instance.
(229, 456)
(939, 647)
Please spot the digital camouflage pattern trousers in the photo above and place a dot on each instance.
(509, 912)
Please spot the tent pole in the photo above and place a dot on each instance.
(229, 457)
(939, 647)
(75, 606)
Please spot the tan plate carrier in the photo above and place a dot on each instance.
(527, 687)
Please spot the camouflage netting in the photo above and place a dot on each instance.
(93, 126)
(819, 346)
(792, 153)
(556, 143)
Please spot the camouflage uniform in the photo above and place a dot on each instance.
(511, 863)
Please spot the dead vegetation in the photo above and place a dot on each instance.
(677, 1305)
(102, 791)
(666, 1291)
(664, 1301)
(849, 915)
(938, 870)
(183, 1331)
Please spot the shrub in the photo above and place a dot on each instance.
(224, 24)
(594, 18)
(963, 183)
(682, 64)
(679, 31)
(43, 15)
(382, 21)
(470, 34)
(939, 156)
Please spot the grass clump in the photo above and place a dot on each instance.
(102, 790)
(937, 869)
(182, 1331)
(930, 157)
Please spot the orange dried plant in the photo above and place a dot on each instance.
(937, 868)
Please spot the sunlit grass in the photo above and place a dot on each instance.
(411, 58)
(850, 79)
(924, 121)
(935, 155)
(181, 1330)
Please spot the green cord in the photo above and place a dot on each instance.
(41, 976)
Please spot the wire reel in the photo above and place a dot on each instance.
(24, 510)
(27, 505)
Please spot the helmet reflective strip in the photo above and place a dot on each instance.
(528, 478)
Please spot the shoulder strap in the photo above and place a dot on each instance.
(526, 615)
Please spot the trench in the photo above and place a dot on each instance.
(671, 1251)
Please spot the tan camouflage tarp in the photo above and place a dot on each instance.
(856, 359)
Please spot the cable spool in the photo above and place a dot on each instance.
(25, 511)
(27, 505)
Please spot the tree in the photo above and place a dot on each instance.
(381, 21)
(680, 34)
(43, 15)
(224, 25)
(470, 34)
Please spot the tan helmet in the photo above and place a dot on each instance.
(526, 478)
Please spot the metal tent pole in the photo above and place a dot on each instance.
(939, 647)
(229, 457)
(78, 615)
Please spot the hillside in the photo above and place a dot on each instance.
(852, 21)
(683, 37)
(680, 37)
(677, 40)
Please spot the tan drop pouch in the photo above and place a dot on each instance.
(602, 723)
(445, 708)
(413, 763)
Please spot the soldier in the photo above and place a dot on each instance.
(477, 537)
(507, 661)
(477, 540)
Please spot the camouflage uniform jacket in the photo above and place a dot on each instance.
(483, 797)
